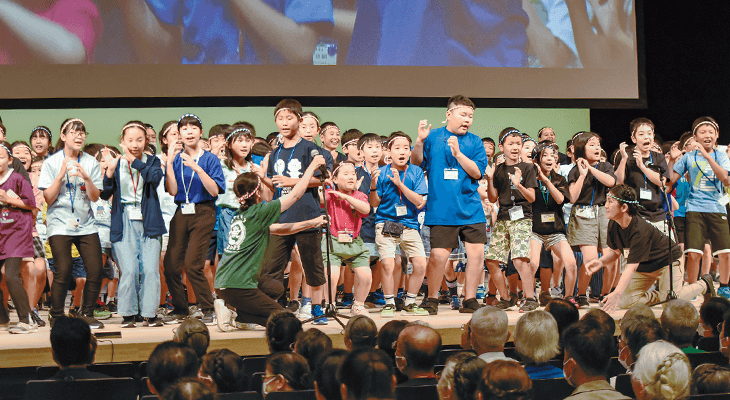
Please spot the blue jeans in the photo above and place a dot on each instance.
(138, 257)
(224, 226)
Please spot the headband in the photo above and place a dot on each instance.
(134, 125)
(192, 116)
(540, 148)
(26, 146)
(542, 129)
(290, 110)
(246, 196)
(8, 150)
(308, 115)
(390, 142)
(341, 164)
(349, 142)
(454, 108)
(71, 121)
(712, 124)
(239, 130)
(636, 202)
(508, 134)
(328, 127)
(40, 128)
(527, 138)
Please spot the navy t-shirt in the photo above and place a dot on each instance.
(190, 181)
(651, 209)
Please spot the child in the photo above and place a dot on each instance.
(16, 225)
(309, 127)
(398, 199)
(588, 183)
(513, 184)
(706, 214)
(488, 147)
(70, 180)
(195, 178)
(548, 227)
(235, 280)
(528, 144)
(132, 180)
(40, 141)
(347, 206)
(329, 136)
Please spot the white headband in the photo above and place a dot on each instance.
(287, 109)
(712, 124)
(134, 125)
(40, 128)
(71, 121)
(190, 115)
(309, 116)
(455, 107)
(245, 196)
(239, 130)
(5, 147)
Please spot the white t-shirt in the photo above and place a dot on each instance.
(129, 181)
(229, 198)
(62, 218)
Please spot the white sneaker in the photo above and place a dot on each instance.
(225, 317)
(359, 310)
(23, 328)
(245, 326)
(305, 311)
(195, 312)
(556, 293)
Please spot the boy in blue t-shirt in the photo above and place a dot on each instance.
(398, 194)
(453, 158)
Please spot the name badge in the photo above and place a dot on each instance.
(516, 213)
(74, 223)
(724, 199)
(344, 237)
(41, 229)
(134, 213)
(401, 210)
(626, 253)
(586, 212)
(547, 217)
(645, 194)
(187, 208)
(451, 174)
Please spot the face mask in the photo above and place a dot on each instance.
(264, 384)
(622, 358)
(567, 376)
(723, 349)
(701, 330)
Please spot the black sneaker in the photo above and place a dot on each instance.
(545, 298)
(74, 312)
(529, 305)
(400, 304)
(444, 297)
(710, 292)
(504, 304)
(293, 306)
(37, 318)
(128, 321)
(93, 322)
(173, 318)
(153, 322)
(208, 317)
(431, 305)
(469, 306)
(583, 301)
(112, 306)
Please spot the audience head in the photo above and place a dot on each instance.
(662, 371)
(504, 380)
(360, 331)
(285, 372)
(327, 375)
(679, 320)
(637, 332)
(467, 375)
(194, 333)
(536, 337)
(71, 341)
(169, 362)
(710, 379)
(445, 385)
(489, 329)
(602, 318)
(281, 330)
(312, 344)
(711, 313)
(639, 310)
(369, 375)
(564, 312)
(224, 369)
(588, 350)
(188, 389)
(417, 349)
(389, 334)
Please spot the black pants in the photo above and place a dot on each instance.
(252, 305)
(278, 255)
(89, 248)
(187, 250)
(14, 281)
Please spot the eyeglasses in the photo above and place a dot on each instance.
(80, 134)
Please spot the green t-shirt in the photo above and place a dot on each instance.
(247, 242)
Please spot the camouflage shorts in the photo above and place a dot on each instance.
(510, 236)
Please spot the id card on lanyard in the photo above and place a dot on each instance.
(279, 190)
(71, 187)
(645, 193)
(400, 208)
(451, 172)
(135, 212)
(188, 208)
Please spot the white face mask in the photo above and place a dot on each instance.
(567, 377)
(264, 384)
(723, 349)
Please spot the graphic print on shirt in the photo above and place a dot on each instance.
(705, 181)
(236, 235)
(294, 170)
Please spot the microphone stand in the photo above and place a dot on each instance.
(670, 228)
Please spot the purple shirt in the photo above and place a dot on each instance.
(16, 225)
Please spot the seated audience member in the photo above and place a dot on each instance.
(188, 389)
(285, 372)
(312, 344)
(486, 333)
(564, 312)
(504, 379)
(636, 333)
(710, 379)
(711, 313)
(223, 370)
(602, 317)
(368, 375)
(73, 347)
(537, 342)
(467, 375)
(388, 335)
(680, 320)
(588, 348)
(416, 353)
(195, 334)
(445, 385)
(327, 375)
(662, 371)
(360, 331)
(169, 362)
(639, 310)
(725, 335)
(281, 330)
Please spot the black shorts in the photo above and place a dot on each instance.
(679, 223)
(213, 247)
(447, 236)
(546, 259)
(509, 268)
(712, 226)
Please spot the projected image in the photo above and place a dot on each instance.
(476, 33)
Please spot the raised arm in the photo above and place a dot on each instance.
(298, 190)
(620, 169)
(154, 42)
(417, 153)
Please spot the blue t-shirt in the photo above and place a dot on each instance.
(544, 372)
(682, 188)
(189, 181)
(452, 201)
(390, 195)
(439, 33)
(705, 188)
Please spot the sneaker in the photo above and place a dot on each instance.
(347, 300)
(504, 304)
(361, 310)
(318, 312)
(74, 312)
(293, 306)
(399, 304)
(470, 305)
(208, 317)
(305, 311)
(583, 302)
(37, 318)
(242, 326)
(594, 299)
(444, 297)
(173, 318)
(529, 305)
(128, 321)
(724, 292)
(491, 300)
(481, 292)
(195, 311)
(161, 312)
(112, 306)
(514, 298)
(102, 314)
(378, 299)
(572, 300)
(707, 278)
(388, 311)
(429, 305)
(93, 322)
(545, 298)
(455, 303)
(23, 328)
(414, 309)
(225, 317)
(556, 292)
(153, 322)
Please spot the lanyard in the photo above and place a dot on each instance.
(278, 150)
(182, 178)
(400, 194)
(447, 154)
(69, 185)
(651, 160)
(136, 184)
(545, 193)
(714, 181)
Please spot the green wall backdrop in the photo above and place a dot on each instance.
(104, 124)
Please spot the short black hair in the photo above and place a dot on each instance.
(590, 345)
(712, 311)
(169, 362)
(281, 330)
(626, 195)
(70, 340)
(639, 331)
(369, 373)
(327, 374)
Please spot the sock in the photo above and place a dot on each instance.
(306, 300)
(410, 299)
(389, 299)
(453, 290)
(724, 285)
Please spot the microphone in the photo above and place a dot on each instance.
(322, 169)
(654, 167)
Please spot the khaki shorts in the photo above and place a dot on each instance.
(353, 254)
(588, 231)
(510, 236)
(409, 241)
